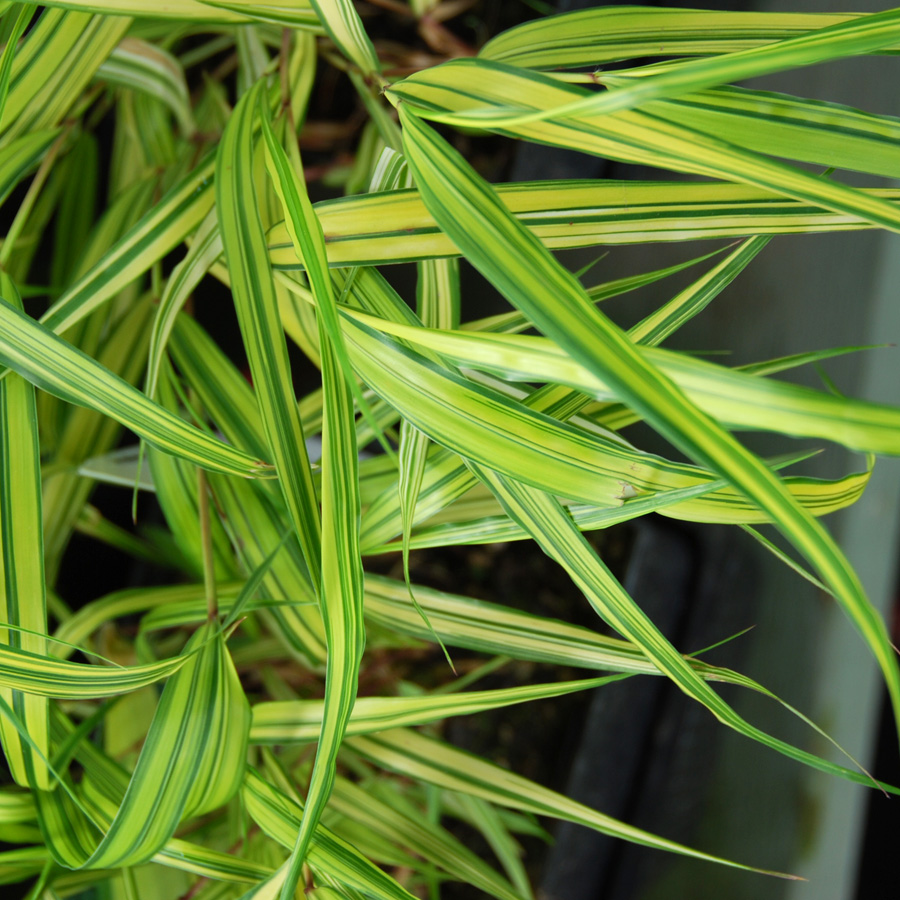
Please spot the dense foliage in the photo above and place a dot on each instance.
(210, 726)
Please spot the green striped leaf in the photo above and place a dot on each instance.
(655, 328)
(515, 262)
(555, 533)
(44, 676)
(478, 519)
(299, 721)
(192, 761)
(93, 616)
(289, 13)
(14, 24)
(104, 786)
(56, 61)
(734, 398)
(204, 12)
(593, 36)
(175, 485)
(853, 37)
(341, 593)
(395, 226)
(309, 244)
(252, 513)
(18, 865)
(487, 426)
(437, 300)
(812, 131)
(60, 369)
(21, 156)
(253, 289)
(164, 227)
(142, 66)
(23, 598)
(223, 391)
(343, 25)
(83, 432)
(408, 828)
(633, 135)
(256, 528)
(205, 249)
(495, 629)
(415, 755)
(514, 321)
(279, 817)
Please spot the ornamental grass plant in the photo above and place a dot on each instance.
(201, 735)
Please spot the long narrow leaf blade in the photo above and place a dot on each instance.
(57, 367)
(23, 597)
(527, 274)
(256, 303)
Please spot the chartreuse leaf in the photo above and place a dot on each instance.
(485, 818)
(18, 865)
(84, 432)
(77, 205)
(486, 426)
(290, 13)
(296, 13)
(159, 231)
(224, 392)
(256, 525)
(478, 519)
(795, 128)
(395, 226)
(175, 483)
(410, 829)
(191, 762)
(309, 244)
(668, 318)
(299, 721)
(46, 676)
(145, 67)
(653, 329)
(16, 807)
(553, 530)
(513, 321)
(412, 754)
(853, 37)
(20, 156)
(50, 363)
(54, 64)
(633, 135)
(256, 303)
(495, 629)
(733, 397)
(205, 249)
(23, 597)
(279, 816)
(446, 481)
(492, 628)
(437, 299)
(460, 621)
(341, 593)
(343, 25)
(256, 528)
(104, 785)
(11, 29)
(593, 36)
(94, 615)
(515, 262)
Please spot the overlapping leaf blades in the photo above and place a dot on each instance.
(483, 454)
